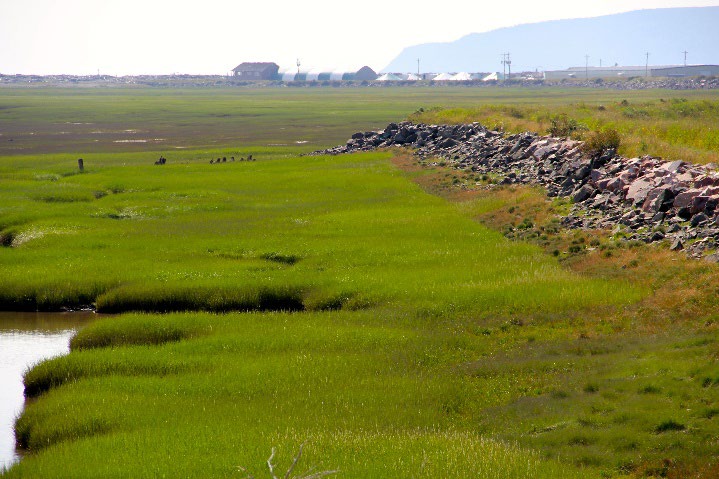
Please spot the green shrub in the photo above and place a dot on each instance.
(600, 141)
(562, 125)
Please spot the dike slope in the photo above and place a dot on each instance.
(647, 199)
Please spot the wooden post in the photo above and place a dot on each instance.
(80, 164)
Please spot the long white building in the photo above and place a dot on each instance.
(633, 71)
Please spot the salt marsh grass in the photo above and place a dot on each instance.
(279, 234)
(381, 324)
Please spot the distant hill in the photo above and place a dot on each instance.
(622, 38)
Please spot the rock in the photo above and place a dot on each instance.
(583, 193)
(711, 205)
(638, 190)
(699, 203)
(658, 199)
(447, 143)
(627, 218)
(596, 175)
(673, 166)
(615, 184)
(698, 219)
(684, 214)
(583, 170)
(677, 245)
(656, 236)
(703, 181)
(685, 198)
(658, 217)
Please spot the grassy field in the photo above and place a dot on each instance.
(363, 310)
(88, 121)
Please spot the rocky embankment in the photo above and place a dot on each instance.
(643, 199)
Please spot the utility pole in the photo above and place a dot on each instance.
(600, 63)
(586, 67)
(685, 57)
(506, 63)
(418, 67)
(298, 66)
(646, 72)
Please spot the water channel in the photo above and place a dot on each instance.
(25, 339)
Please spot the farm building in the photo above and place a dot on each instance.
(364, 73)
(633, 71)
(256, 71)
(685, 71)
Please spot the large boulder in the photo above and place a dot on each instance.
(638, 190)
(673, 166)
(686, 198)
(583, 193)
(658, 199)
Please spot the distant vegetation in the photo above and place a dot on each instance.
(674, 128)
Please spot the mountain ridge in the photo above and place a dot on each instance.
(622, 38)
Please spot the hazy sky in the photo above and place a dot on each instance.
(212, 36)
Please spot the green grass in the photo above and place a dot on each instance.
(278, 234)
(381, 324)
(373, 396)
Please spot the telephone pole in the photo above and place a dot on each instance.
(586, 67)
(646, 71)
(298, 66)
(418, 67)
(506, 63)
(685, 57)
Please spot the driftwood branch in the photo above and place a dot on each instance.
(310, 474)
(319, 474)
(296, 460)
(269, 464)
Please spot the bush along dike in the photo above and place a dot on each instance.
(640, 199)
